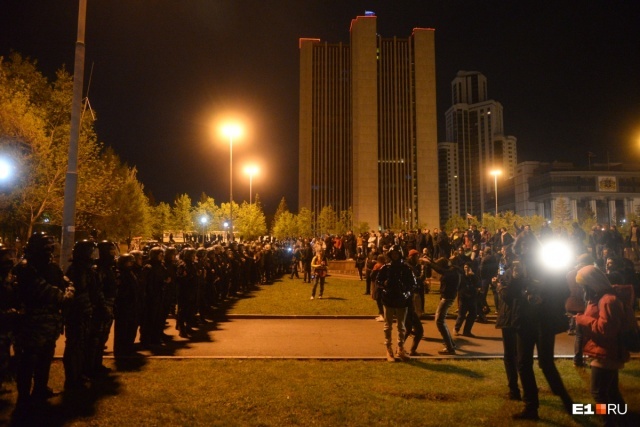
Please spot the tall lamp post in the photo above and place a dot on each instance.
(71, 177)
(203, 221)
(231, 131)
(251, 170)
(495, 174)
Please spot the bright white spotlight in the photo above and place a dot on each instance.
(556, 255)
(5, 169)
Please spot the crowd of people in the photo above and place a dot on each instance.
(137, 292)
(594, 300)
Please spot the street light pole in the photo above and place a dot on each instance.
(71, 179)
(495, 174)
(203, 221)
(251, 170)
(231, 131)
(231, 182)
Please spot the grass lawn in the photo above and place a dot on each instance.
(342, 296)
(311, 393)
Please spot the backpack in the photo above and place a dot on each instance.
(630, 333)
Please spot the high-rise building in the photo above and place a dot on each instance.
(368, 133)
(474, 124)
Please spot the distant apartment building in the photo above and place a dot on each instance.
(368, 133)
(475, 130)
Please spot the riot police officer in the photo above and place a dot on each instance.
(127, 307)
(8, 312)
(187, 276)
(154, 279)
(106, 269)
(41, 293)
(79, 314)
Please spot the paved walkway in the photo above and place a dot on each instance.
(317, 338)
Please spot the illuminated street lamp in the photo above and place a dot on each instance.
(226, 227)
(231, 131)
(495, 174)
(251, 170)
(203, 221)
(6, 170)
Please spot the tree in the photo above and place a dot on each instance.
(587, 214)
(282, 208)
(304, 222)
(129, 216)
(181, 212)
(362, 227)
(561, 213)
(326, 221)
(286, 226)
(207, 208)
(455, 221)
(161, 220)
(34, 129)
(251, 222)
(345, 223)
(225, 213)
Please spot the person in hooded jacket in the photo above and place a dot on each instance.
(602, 322)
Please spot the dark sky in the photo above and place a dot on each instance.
(566, 72)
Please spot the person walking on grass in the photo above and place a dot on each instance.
(449, 283)
(396, 283)
(468, 293)
(319, 266)
(416, 303)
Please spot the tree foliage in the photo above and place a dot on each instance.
(161, 220)
(251, 222)
(327, 219)
(285, 226)
(182, 213)
(34, 134)
(129, 215)
(282, 208)
(304, 222)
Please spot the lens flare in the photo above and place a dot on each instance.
(5, 169)
(556, 255)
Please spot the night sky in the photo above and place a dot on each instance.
(566, 72)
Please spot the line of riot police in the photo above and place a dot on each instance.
(135, 292)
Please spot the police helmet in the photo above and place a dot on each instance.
(107, 250)
(40, 243)
(188, 254)
(201, 253)
(156, 253)
(84, 250)
(170, 253)
(124, 260)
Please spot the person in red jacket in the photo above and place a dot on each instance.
(602, 322)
